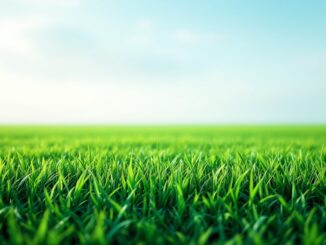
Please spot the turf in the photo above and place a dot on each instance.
(163, 185)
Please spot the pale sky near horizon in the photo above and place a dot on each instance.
(83, 61)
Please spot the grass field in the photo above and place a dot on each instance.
(163, 185)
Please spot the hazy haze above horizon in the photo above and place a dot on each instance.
(78, 61)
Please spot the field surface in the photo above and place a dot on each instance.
(163, 185)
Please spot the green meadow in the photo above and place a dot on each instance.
(163, 185)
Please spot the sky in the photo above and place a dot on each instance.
(162, 62)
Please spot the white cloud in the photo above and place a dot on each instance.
(16, 35)
(144, 24)
(142, 34)
(185, 36)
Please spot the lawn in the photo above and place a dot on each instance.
(163, 185)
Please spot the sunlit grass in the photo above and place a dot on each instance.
(161, 185)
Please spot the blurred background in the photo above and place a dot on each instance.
(162, 62)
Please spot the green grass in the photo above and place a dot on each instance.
(163, 185)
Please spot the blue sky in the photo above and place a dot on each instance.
(78, 61)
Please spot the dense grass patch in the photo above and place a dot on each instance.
(163, 185)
